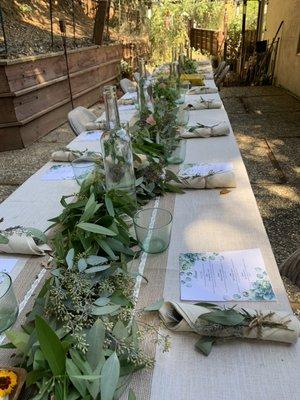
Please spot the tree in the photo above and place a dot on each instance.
(100, 18)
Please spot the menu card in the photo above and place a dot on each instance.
(7, 264)
(88, 136)
(59, 172)
(227, 276)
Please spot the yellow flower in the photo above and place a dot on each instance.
(8, 380)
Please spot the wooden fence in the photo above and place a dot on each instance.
(207, 40)
(211, 41)
(132, 51)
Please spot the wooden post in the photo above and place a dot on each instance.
(3, 30)
(225, 28)
(260, 19)
(51, 22)
(74, 24)
(242, 55)
(62, 27)
(100, 21)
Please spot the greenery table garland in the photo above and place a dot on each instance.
(82, 340)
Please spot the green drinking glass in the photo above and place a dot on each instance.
(153, 229)
(182, 117)
(178, 152)
(82, 169)
(9, 308)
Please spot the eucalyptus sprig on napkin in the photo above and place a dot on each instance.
(214, 323)
(23, 240)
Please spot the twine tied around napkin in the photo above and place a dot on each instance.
(20, 240)
(212, 322)
(206, 130)
(190, 178)
(203, 104)
(202, 90)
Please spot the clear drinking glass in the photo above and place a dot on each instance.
(8, 303)
(82, 169)
(183, 89)
(153, 229)
(177, 155)
(182, 117)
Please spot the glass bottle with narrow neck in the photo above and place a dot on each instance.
(116, 149)
(142, 102)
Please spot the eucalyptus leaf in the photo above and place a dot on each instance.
(82, 265)
(120, 331)
(50, 346)
(131, 395)
(81, 364)
(109, 205)
(3, 239)
(96, 260)
(103, 244)
(98, 268)
(73, 370)
(102, 301)
(36, 233)
(119, 298)
(86, 377)
(19, 339)
(86, 226)
(204, 344)
(109, 377)
(95, 339)
(70, 258)
(206, 304)
(35, 375)
(155, 306)
(104, 310)
(226, 317)
(139, 181)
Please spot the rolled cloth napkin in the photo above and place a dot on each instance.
(202, 90)
(205, 131)
(206, 176)
(69, 155)
(19, 240)
(277, 326)
(194, 79)
(208, 76)
(126, 102)
(93, 126)
(202, 104)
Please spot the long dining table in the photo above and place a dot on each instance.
(203, 220)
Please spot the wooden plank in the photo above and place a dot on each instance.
(42, 88)
(10, 138)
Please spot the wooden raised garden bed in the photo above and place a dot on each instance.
(35, 95)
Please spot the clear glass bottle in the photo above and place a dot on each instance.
(142, 101)
(116, 149)
(111, 107)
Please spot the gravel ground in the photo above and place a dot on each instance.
(266, 122)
